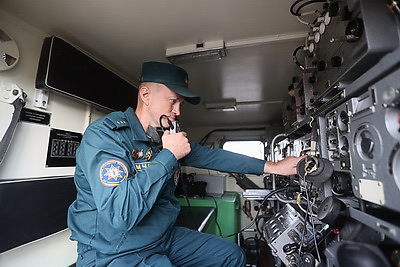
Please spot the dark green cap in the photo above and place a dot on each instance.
(174, 77)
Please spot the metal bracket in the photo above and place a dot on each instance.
(12, 94)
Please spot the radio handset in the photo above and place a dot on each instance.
(173, 125)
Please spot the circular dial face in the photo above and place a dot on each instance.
(368, 142)
(396, 165)
(9, 51)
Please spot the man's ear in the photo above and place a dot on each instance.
(144, 94)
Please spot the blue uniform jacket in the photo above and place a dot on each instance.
(125, 200)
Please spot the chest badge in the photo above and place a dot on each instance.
(149, 154)
(137, 154)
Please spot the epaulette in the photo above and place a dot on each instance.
(116, 120)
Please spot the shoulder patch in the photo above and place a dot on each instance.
(116, 120)
(113, 172)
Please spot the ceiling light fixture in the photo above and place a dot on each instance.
(212, 50)
(226, 105)
(231, 104)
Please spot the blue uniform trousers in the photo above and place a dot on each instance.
(183, 247)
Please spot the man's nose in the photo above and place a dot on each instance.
(177, 110)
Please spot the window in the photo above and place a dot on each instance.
(250, 148)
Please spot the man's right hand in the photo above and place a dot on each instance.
(287, 166)
(177, 143)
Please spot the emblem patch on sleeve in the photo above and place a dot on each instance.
(113, 172)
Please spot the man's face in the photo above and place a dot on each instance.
(164, 101)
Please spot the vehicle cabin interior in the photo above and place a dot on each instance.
(316, 79)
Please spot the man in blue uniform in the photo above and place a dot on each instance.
(126, 175)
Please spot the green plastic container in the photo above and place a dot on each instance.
(228, 213)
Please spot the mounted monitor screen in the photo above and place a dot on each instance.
(66, 70)
(35, 208)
